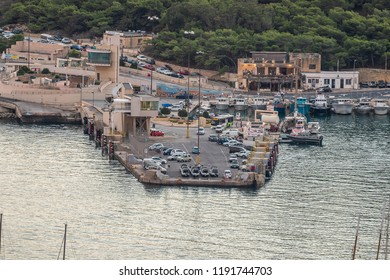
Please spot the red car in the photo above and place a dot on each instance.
(149, 66)
(184, 72)
(156, 133)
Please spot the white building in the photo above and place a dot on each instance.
(333, 79)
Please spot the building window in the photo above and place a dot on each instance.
(326, 81)
(312, 66)
(348, 81)
(149, 105)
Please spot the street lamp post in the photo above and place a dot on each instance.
(152, 19)
(199, 76)
(188, 34)
(353, 81)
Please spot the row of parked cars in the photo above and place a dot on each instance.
(196, 171)
(375, 84)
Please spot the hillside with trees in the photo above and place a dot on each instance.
(340, 30)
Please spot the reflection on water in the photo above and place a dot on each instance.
(53, 175)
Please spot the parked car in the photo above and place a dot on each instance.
(232, 158)
(364, 85)
(185, 171)
(222, 140)
(66, 40)
(141, 57)
(148, 66)
(167, 152)
(156, 147)
(213, 138)
(184, 72)
(237, 149)
(204, 172)
(177, 154)
(325, 89)
(167, 66)
(159, 160)
(195, 150)
(200, 131)
(195, 171)
(219, 128)
(372, 84)
(184, 158)
(76, 47)
(227, 174)
(235, 164)
(213, 171)
(155, 132)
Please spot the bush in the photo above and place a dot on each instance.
(45, 71)
(182, 113)
(206, 114)
(165, 111)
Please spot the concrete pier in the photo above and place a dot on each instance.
(154, 177)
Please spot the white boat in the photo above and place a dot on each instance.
(259, 103)
(343, 106)
(222, 103)
(321, 106)
(381, 107)
(240, 103)
(364, 107)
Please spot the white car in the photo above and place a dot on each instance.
(159, 160)
(200, 131)
(219, 128)
(156, 147)
(141, 57)
(184, 158)
(175, 155)
(233, 158)
(227, 174)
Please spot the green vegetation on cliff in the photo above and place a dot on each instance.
(340, 30)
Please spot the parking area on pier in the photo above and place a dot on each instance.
(211, 153)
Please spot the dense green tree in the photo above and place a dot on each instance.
(224, 29)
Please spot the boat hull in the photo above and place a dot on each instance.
(240, 107)
(381, 110)
(343, 109)
(320, 111)
(364, 110)
(313, 139)
(259, 106)
(220, 106)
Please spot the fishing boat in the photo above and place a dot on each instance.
(301, 135)
(240, 103)
(343, 106)
(381, 107)
(320, 107)
(222, 103)
(279, 104)
(364, 107)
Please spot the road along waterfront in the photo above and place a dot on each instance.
(53, 175)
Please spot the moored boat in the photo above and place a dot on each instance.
(259, 103)
(381, 107)
(222, 103)
(240, 104)
(364, 107)
(343, 106)
(320, 107)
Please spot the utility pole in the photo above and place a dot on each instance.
(189, 34)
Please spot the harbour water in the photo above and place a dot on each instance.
(52, 175)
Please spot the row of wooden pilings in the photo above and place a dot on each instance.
(95, 133)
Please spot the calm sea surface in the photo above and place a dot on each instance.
(52, 175)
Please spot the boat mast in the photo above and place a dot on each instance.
(387, 230)
(356, 239)
(63, 256)
(379, 241)
(1, 223)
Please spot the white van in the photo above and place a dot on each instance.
(231, 133)
(151, 164)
